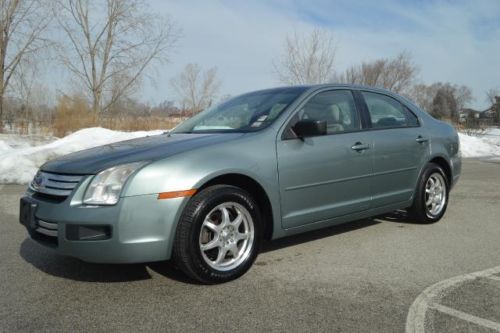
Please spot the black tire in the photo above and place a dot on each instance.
(419, 211)
(187, 253)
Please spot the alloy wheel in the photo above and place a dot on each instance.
(226, 236)
(435, 194)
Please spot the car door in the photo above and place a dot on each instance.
(400, 147)
(325, 176)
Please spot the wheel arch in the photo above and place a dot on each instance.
(255, 189)
(445, 165)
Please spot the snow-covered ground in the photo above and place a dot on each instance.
(20, 156)
(487, 145)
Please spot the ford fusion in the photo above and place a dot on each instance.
(262, 165)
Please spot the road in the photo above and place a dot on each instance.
(366, 276)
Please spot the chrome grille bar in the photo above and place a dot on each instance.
(47, 232)
(47, 225)
(63, 178)
(47, 228)
(60, 185)
(55, 184)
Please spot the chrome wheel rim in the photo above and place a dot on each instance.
(226, 236)
(435, 194)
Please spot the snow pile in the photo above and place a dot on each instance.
(493, 133)
(20, 165)
(478, 146)
(4, 147)
(487, 145)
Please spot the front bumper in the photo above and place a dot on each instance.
(141, 228)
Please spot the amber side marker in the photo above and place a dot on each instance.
(176, 194)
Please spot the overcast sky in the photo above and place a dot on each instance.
(454, 41)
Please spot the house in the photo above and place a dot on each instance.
(488, 114)
(467, 113)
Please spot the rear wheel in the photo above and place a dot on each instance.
(218, 236)
(431, 195)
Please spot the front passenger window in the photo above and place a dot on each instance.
(336, 107)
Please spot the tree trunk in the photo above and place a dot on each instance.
(1, 112)
(96, 107)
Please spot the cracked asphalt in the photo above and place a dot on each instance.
(357, 277)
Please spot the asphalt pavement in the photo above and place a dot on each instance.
(378, 275)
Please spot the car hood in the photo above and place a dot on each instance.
(93, 160)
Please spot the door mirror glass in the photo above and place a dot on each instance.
(309, 127)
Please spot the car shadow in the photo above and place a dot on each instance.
(398, 216)
(310, 236)
(74, 269)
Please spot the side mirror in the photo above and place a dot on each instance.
(309, 127)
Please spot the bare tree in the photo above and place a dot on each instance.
(22, 24)
(423, 95)
(493, 97)
(196, 89)
(442, 100)
(491, 94)
(23, 84)
(395, 74)
(110, 44)
(449, 100)
(307, 59)
(444, 104)
(463, 96)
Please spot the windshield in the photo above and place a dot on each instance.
(245, 113)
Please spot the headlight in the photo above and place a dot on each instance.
(107, 185)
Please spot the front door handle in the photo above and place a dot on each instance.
(358, 146)
(421, 139)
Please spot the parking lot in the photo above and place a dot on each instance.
(379, 275)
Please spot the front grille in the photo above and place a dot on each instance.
(55, 185)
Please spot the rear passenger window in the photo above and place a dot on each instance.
(336, 107)
(385, 112)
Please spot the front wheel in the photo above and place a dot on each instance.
(431, 195)
(218, 236)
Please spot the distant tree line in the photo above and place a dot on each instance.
(309, 59)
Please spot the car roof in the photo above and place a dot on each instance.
(312, 87)
(403, 99)
(350, 86)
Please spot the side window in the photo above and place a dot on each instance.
(385, 111)
(336, 107)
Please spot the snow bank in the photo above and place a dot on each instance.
(493, 132)
(479, 146)
(4, 147)
(20, 165)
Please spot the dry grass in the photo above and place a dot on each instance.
(73, 113)
(139, 123)
(68, 123)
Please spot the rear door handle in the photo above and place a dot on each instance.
(421, 139)
(358, 146)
